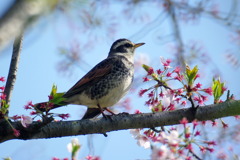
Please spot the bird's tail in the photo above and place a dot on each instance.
(91, 113)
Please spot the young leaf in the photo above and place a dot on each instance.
(56, 97)
(217, 88)
(54, 90)
(146, 67)
(191, 74)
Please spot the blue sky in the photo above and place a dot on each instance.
(37, 72)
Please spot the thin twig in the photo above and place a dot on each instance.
(194, 155)
(12, 74)
(177, 34)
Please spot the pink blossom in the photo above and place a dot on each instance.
(237, 116)
(189, 147)
(211, 143)
(224, 89)
(50, 97)
(188, 158)
(208, 91)
(89, 157)
(165, 63)
(202, 149)
(2, 88)
(177, 70)
(142, 140)
(198, 85)
(177, 100)
(195, 89)
(224, 125)
(210, 149)
(142, 91)
(214, 123)
(184, 121)
(180, 91)
(29, 105)
(33, 113)
(2, 79)
(169, 74)
(159, 71)
(163, 152)
(222, 156)
(3, 96)
(145, 79)
(25, 121)
(204, 98)
(203, 123)
(195, 123)
(168, 98)
(183, 103)
(214, 9)
(16, 132)
(197, 76)
(16, 117)
(64, 116)
(171, 107)
(161, 94)
(137, 112)
(187, 135)
(151, 94)
(150, 71)
(179, 77)
(198, 133)
(198, 99)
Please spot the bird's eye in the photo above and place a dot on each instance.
(128, 45)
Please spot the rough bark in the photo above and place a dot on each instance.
(38, 130)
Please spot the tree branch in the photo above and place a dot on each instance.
(119, 122)
(19, 16)
(12, 74)
(177, 34)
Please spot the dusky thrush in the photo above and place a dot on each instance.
(106, 83)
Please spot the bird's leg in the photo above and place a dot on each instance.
(110, 111)
(101, 110)
(123, 113)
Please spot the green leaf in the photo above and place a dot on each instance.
(146, 67)
(75, 149)
(191, 74)
(217, 88)
(4, 107)
(54, 90)
(57, 98)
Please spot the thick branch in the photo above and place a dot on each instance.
(120, 122)
(19, 16)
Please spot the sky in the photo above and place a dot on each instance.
(37, 73)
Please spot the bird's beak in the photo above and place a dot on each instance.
(138, 45)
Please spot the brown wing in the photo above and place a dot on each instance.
(94, 75)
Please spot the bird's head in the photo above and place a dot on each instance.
(123, 47)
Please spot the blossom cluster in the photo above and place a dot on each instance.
(27, 120)
(3, 105)
(74, 147)
(172, 144)
(176, 143)
(163, 98)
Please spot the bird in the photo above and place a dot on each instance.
(106, 83)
